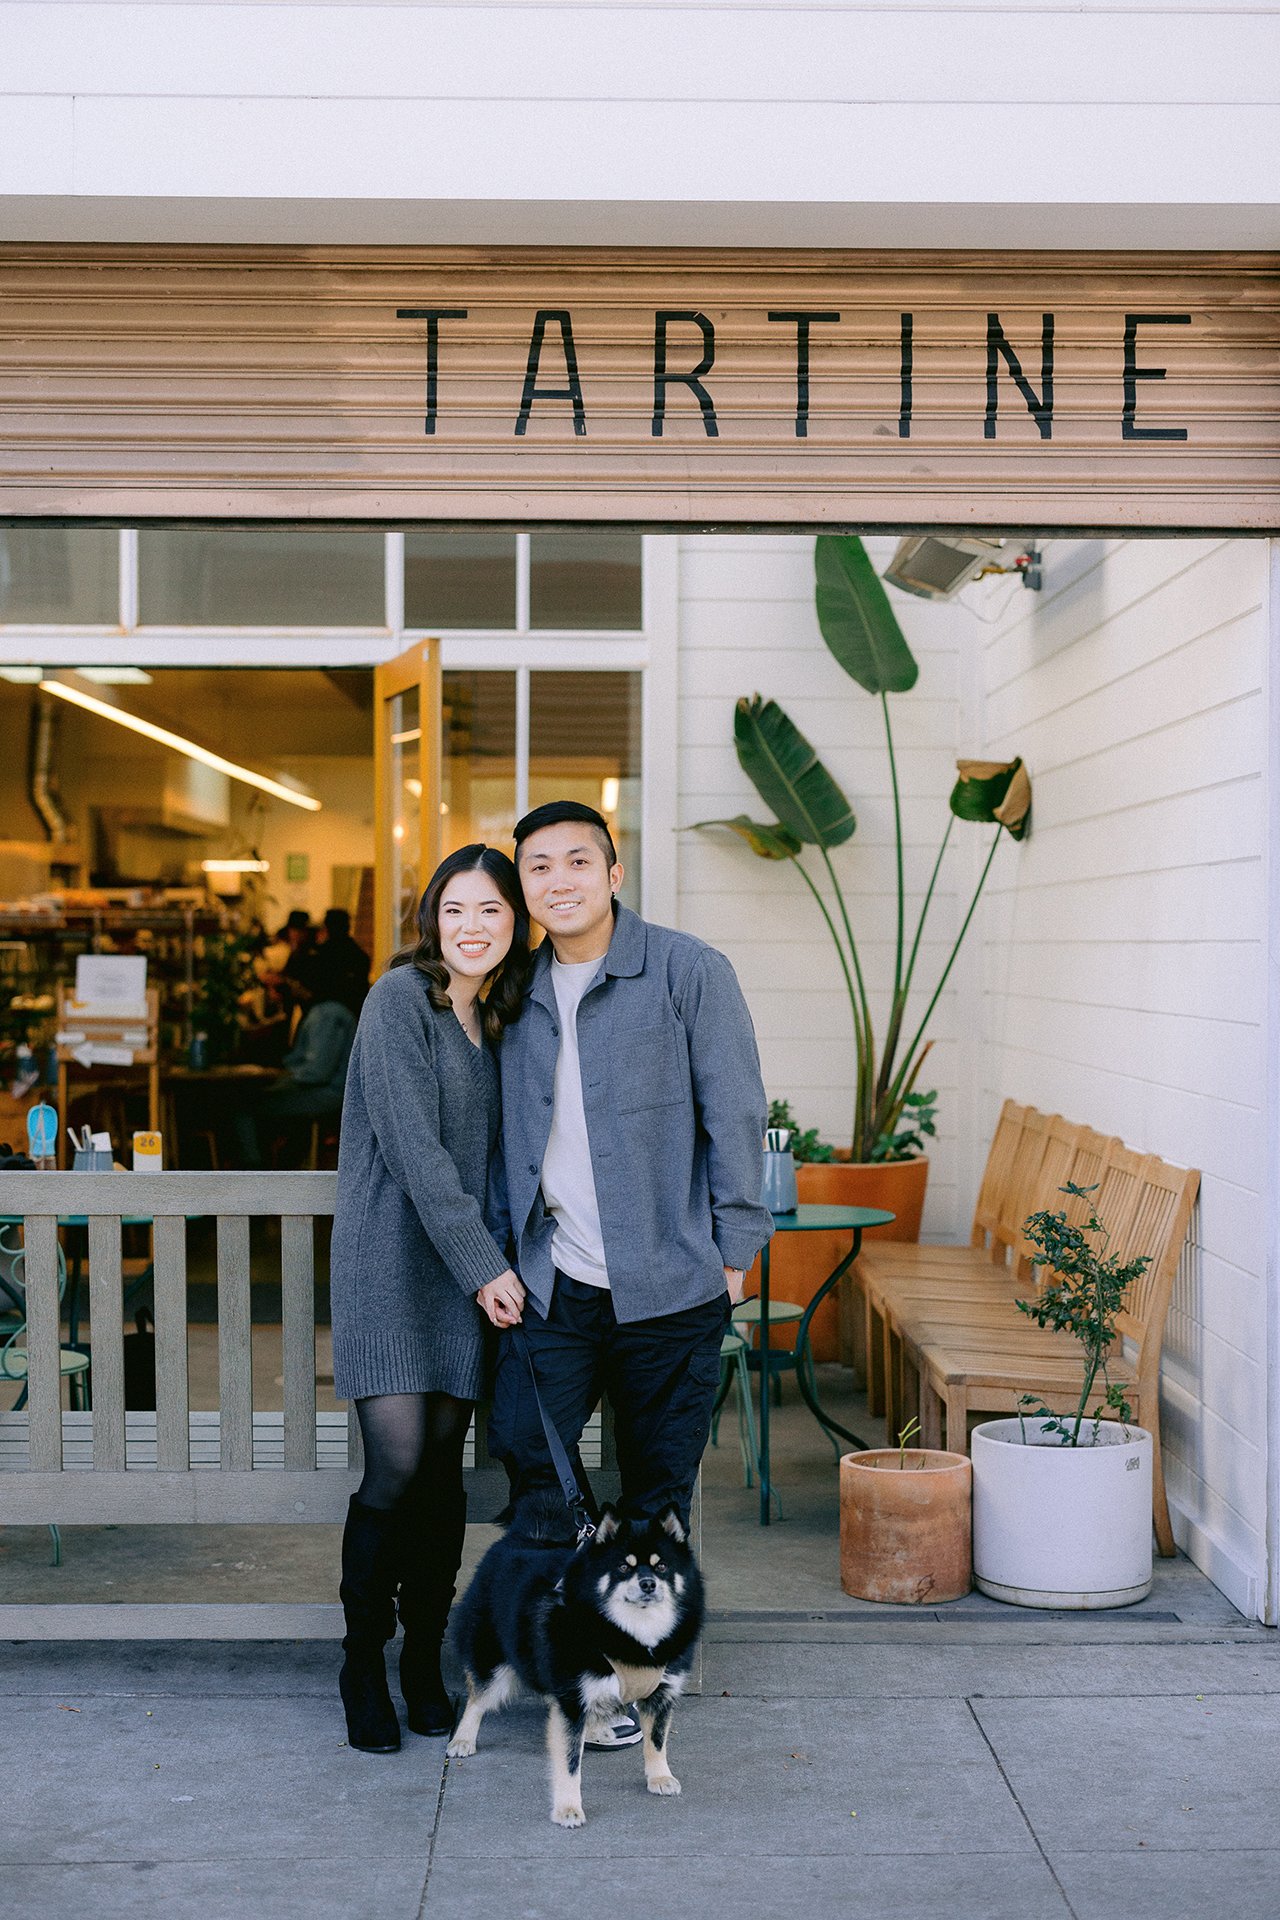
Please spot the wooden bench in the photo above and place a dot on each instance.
(943, 1337)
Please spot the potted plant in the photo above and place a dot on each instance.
(905, 1527)
(884, 1163)
(1062, 1502)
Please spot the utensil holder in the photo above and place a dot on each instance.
(779, 1190)
(93, 1160)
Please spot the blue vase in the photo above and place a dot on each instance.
(779, 1191)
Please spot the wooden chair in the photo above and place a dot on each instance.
(983, 1368)
(888, 1270)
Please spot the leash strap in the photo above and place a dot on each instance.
(573, 1495)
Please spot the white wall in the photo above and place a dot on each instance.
(759, 123)
(747, 625)
(1124, 952)
(341, 834)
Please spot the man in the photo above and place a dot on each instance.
(634, 1118)
(311, 1086)
(339, 966)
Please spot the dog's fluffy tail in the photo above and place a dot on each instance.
(542, 1516)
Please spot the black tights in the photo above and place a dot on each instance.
(413, 1446)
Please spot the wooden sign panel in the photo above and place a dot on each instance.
(666, 389)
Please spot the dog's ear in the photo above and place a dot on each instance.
(670, 1524)
(607, 1527)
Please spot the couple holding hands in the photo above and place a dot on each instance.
(569, 1140)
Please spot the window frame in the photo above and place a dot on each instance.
(649, 650)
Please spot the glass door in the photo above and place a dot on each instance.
(407, 804)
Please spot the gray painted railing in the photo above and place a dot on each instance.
(167, 1484)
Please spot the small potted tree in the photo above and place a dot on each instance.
(1062, 1502)
(905, 1535)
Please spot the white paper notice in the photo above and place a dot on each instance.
(112, 984)
(94, 1054)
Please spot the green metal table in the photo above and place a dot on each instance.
(808, 1219)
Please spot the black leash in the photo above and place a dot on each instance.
(574, 1498)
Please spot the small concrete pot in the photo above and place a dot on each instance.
(905, 1534)
(1058, 1526)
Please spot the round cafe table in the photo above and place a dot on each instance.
(808, 1219)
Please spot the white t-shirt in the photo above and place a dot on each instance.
(568, 1184)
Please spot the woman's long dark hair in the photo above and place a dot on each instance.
(504, 990)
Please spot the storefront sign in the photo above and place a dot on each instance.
(668, 389)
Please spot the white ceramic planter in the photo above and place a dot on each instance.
(1058, 1526)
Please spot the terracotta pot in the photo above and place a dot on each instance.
(800, 1262)
(906, 1533)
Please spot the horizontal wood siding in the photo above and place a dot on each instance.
(142, 383)
(1124, 959)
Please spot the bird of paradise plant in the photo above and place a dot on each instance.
(812, 812)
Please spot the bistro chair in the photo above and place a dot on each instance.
(73, 1361)
(733, 1372)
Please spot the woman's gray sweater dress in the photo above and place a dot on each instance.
(410, 1246)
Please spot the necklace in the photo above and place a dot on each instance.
(470, 1023)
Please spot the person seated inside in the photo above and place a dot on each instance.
(338, 966)
(309, 1089)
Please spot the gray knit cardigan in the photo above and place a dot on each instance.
(410, 1245)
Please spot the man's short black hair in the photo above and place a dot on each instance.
(554, 812)
(337, 921)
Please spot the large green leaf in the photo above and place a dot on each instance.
(773, 842)
(857, 621)
(788, 775)
(995, 791)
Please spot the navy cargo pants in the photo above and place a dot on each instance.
(660, 1377)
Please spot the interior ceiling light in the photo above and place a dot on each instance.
(403, 739)
(114, 676)
(235, 866)
(179, 744)
(23, 676)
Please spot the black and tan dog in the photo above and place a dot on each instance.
(613, 1622)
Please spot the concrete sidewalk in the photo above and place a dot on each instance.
(973, 1762)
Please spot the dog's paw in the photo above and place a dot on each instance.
(460, 1749)
(569, 1814)
(663, 1783)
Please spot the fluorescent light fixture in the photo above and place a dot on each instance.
(114, 676)
(22, 676)
(403, 739)
(179, 744)
(414, 787)
(235, 866)
(609, 794)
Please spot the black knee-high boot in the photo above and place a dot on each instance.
(431, 1542)
(370, 1549)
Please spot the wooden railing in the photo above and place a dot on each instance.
(154, 1468)
(234, 1463)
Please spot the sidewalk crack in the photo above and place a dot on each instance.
(1026, 1821)
(435, 1830)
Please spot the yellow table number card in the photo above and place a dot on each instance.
(148, 1154)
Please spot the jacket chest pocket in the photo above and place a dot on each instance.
(647, 1069)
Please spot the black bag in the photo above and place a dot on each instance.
(140, 1365)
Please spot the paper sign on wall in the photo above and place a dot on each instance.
(112, 984)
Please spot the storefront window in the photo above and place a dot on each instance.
(460, 580)
(65, 576)
(584, 744)
(478, 776)
(261, 577)
(585, 580)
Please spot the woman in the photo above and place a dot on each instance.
(415, 1272)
